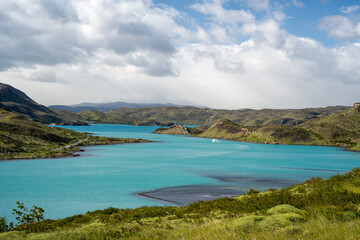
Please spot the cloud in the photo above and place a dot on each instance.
(60, 32)
(341, 28)
(258, 4)
(350, 9)
(66, 52)
(344, 27)
(298, 3)
(218, 13)
(267, 32)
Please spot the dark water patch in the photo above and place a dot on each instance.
(315, 169)
(183, 195)
(252, 179)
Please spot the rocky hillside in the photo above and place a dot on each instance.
(225, 129)
(175, 129)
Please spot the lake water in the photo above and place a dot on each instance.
(177, 169)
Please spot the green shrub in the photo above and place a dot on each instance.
(284, 208)
(248, 223)
(348, 215)
(27, 217)
(4, 227)
(267, 222)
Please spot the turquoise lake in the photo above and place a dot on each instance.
(178, 169)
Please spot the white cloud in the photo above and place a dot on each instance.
(298, 3)
(340, 27)
(350, 9)
(215, 9)
(267, 32)
(58, 32)
(343, 27)
(65, 52)
(258, 4)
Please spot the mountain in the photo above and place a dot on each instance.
(17, 101)
(106, 107)
(202, 116)
(342, 129)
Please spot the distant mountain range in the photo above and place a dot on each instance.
(201, 116)
(106, 107)
(152, 114)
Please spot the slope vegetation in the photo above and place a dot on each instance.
(203, 116)
(24, 138)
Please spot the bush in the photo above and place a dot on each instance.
(284, 208)
(27, 217)
(3, 225)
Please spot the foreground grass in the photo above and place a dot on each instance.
(222, 229)
(316, 209)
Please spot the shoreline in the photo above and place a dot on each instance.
(344, 148)
(144, 194)
(72, 153)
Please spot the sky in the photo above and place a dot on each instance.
(227, 54)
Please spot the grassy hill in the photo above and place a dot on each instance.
(342, 129)
(17, 101)
(105, 107)
(202, 116)
(315, 209)
(24, 138)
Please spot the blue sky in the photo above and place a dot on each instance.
(218, 53)
(302, 19)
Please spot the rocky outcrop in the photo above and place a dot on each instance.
(356, 107)
(228, 127)
(175, 129)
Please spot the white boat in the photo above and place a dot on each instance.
(215, 140)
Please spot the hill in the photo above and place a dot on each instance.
(24, 138)
(175, 129)
(17, 101)
(203, 116)
(106, 107)
(315, 209)
(342, 129)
